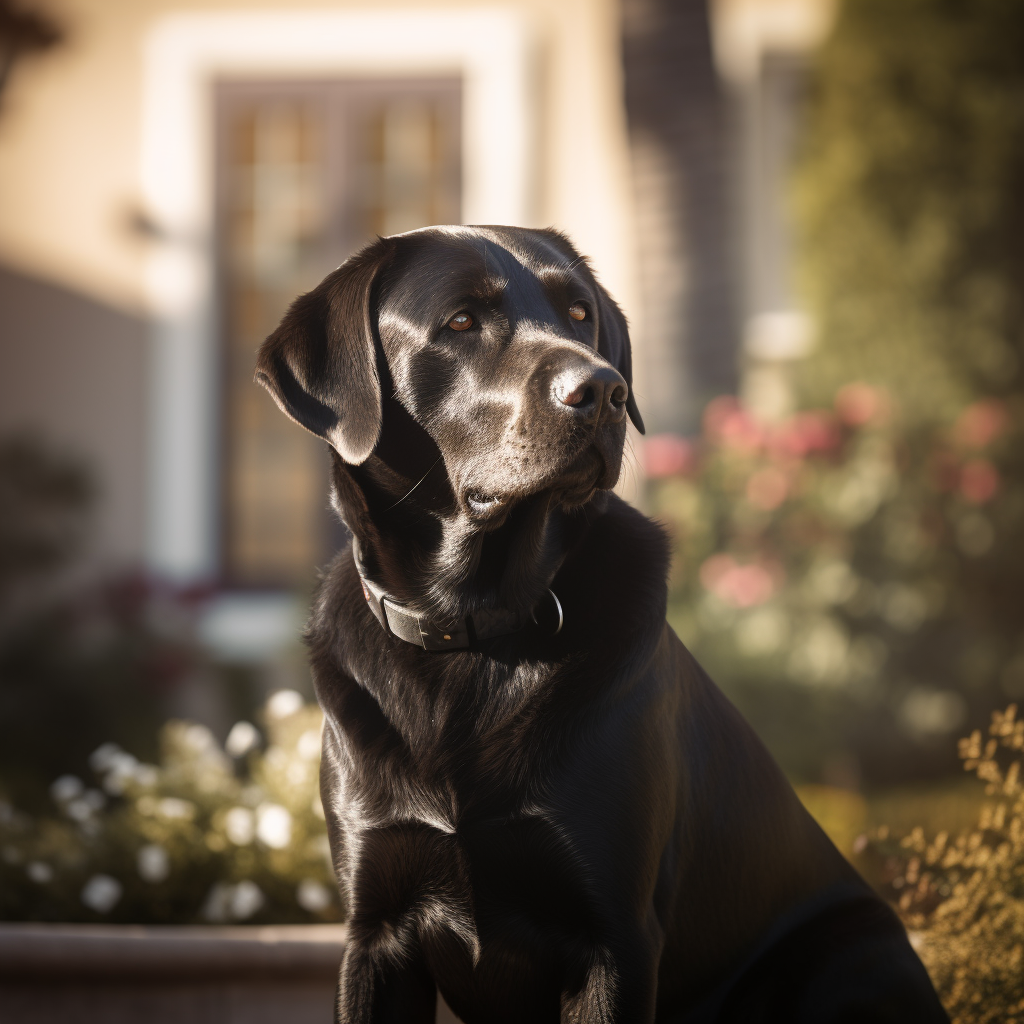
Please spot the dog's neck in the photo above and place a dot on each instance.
(428, 558)
(453, 633)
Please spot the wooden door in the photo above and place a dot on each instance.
(306, 173)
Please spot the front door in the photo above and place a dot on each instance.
(306, 173)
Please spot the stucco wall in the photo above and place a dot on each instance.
(70, 139)
(73, 345)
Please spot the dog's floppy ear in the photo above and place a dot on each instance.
(613, 344)
(320, 364)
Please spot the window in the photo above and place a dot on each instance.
(306, 173)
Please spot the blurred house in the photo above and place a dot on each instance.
(173, 174)
(763, 51)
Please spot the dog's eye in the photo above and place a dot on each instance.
(460, 322)
(577, 312)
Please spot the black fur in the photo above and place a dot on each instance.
(576, 827)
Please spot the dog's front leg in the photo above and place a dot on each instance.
(379, 989)
(616, 989)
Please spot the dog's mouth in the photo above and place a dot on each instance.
(573, 486)
(578, 484)
(483, 504)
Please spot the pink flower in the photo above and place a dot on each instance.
(726, 421)
(741, 586)
(667, 455)
(979, 481)
(717, 411)
(859, 403)
(714, 568)
(805, 432)
(767, 488)
(980, 424)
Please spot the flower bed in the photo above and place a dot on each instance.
(210, 834)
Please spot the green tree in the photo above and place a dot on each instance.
(910, 203)
(852, 575)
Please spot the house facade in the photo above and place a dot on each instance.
(173, 173)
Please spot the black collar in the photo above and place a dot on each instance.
(437, 635)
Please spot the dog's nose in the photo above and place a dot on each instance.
(593, 393)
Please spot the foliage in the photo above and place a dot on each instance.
(206, 835)
(963, 897)
(910, 203)
(44, 500)
(850, 580)
(78, 661)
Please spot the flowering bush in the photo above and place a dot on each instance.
(962, 897)
(849, 579)
(206, 835)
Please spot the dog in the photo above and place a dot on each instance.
(537, 801)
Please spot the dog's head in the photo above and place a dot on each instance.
(486, 370)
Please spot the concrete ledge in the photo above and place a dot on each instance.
(95, 952)
(133, 974)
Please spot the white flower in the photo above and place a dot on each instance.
(101, 893)
(198, 738)
(66, 788)
(224, 901)
(173, 807)
(273, 825)
(101, 759)
(215, 907)
(153, 863)
(308, 747)
(39, 872)
(245, 900)
(313, 896)
(240, 826)
(284, 703)
(242, 738)
(121, 769)
(95, 800)
(82, 808)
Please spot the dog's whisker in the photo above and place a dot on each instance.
(415, 485)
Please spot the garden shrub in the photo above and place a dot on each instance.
(849, 578)
(962, 896)
(206, 835)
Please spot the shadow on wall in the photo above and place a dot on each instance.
(74, 371)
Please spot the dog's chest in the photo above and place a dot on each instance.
(497, 897)
(458, 846)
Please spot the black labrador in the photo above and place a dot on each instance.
(537, 801)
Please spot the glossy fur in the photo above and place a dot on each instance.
(546, 828)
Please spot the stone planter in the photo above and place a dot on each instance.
(125, 974)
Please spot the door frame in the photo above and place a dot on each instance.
(489, 49)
